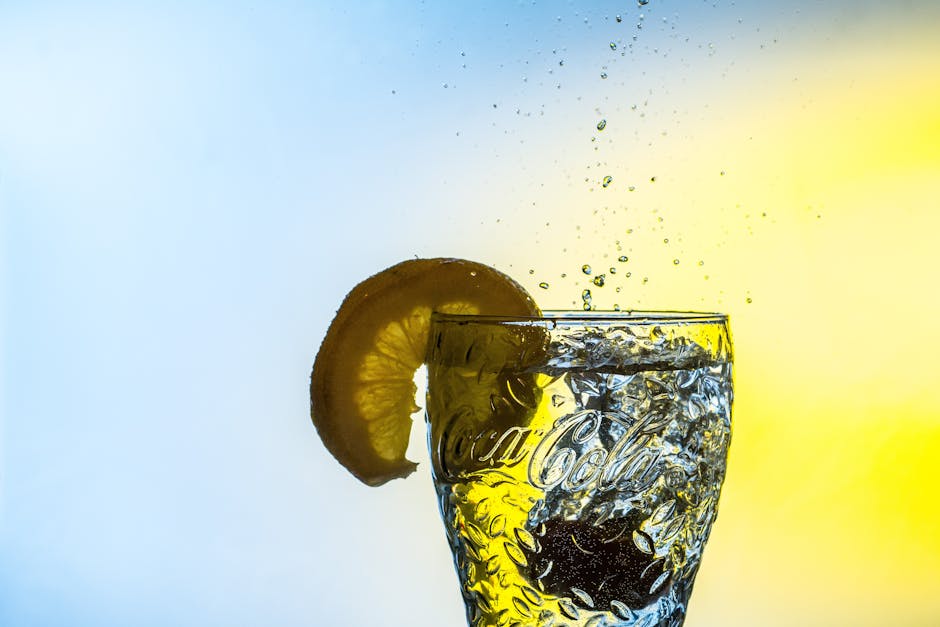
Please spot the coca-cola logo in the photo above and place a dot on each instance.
(586, 450)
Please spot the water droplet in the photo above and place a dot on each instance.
(619, 19)
(665, 240)
(613, 270)
(599, 280)
(586, 298)
(623, 259)
(642, 3)
(652, 178)
(749, 300)
(531, 271)
(586, 269)
(543, 285)
(701, 263)
(607, 181)
(613, 45)
(675, 262)
(602, 125)
(616, 307)
(722, 173)
(603, 75)
(632, 188)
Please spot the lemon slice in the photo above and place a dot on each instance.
(362, 387)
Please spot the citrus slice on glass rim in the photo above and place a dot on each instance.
(362, 389)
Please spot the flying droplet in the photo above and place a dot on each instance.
(599, 280)
(586, 269)
(602, 125)
(586, 298)
(607, 181)
(543, 285)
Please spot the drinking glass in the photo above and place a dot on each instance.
(578, 458)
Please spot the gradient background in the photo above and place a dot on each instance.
(188, 190)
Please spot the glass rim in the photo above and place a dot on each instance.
(577, 316)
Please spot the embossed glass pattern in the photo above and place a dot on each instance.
(578, 460)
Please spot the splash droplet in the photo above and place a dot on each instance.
(586, 299)
(623, 259)
(543, 285)
(602, 125)
(607, 181)
(599, 280)
(586, 269)
(642, 3)
(749, 300)
(613, 45)
(603, 75)
(675, 262)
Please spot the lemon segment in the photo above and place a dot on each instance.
(362, 386)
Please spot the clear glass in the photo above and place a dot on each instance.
(578, 459)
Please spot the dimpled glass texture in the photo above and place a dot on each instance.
(578, 460)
